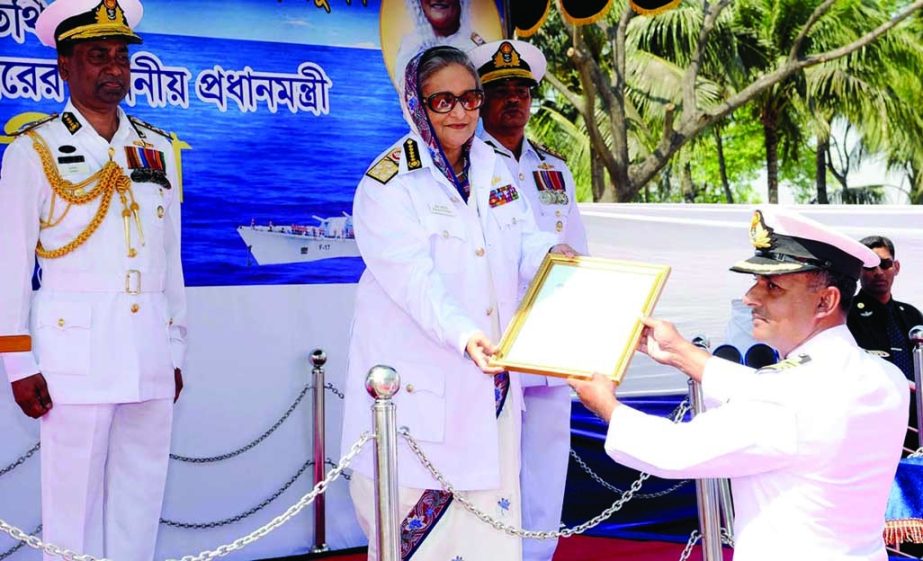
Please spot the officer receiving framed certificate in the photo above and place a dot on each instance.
(581, 315)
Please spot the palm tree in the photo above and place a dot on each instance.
(782, 40)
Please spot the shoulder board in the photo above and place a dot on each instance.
(386, 168)
(412, 154)
(136, 122)
(497, 150)
(791, 362)
(33, 124)
(542, 148)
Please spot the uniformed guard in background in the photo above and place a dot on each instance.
(91, 193)
(509, 71)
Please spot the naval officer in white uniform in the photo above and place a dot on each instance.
(92, 193)
(509, 70)
(811, 444)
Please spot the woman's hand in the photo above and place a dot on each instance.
(565, 250)
(480, 349)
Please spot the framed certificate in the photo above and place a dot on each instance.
(581, 315)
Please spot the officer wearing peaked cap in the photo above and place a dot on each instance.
(90, 195)
(812, 443)
(509, 70)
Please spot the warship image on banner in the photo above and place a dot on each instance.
(271, 244)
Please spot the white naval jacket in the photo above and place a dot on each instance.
(811, 450)
(557, 217)
(92, 340)
(430, 263)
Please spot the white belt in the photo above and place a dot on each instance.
(76, 281)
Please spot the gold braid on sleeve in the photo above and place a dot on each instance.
(108, 180)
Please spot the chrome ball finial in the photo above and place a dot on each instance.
(916, 334)
(382, 382)
(318, 358)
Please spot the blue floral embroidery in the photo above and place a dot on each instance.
(414, 523)
(504, 504)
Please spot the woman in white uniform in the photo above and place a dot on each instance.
(446, 238)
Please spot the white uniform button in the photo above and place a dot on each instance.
(445, 234)
(479, 252)
(489, 311)
(557, 213)
(409, 388)
(522, 176)
(559, 226)
(135, 308)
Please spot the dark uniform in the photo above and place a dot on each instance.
(869, 323)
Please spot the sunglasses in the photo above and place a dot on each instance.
(444, 102)
(884, 265)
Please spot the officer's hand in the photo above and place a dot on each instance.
(480, 349)
(178, 380)
(565, 250)
(597, 394)
(661, 341)
(31, 394)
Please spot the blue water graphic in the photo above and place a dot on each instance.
(262, 166)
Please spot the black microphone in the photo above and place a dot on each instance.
(728, 352)
(760, 355)
(701, 341)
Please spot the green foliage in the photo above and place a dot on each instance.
(877, 89)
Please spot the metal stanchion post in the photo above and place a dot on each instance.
(382, 383)
(706, 495)
(726, 503)
(319, 359)
(916, 338)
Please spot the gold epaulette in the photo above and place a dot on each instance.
(33, 124)
(144, 124)
(386, 168)
(542, 148)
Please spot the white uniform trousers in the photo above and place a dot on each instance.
(104, 468)
(545, 455)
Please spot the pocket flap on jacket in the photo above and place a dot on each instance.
(64, 315)
(446, 227)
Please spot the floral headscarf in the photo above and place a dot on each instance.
(415, 113)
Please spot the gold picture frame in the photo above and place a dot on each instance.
(581, 315)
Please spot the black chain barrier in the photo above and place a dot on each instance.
(208, 459)
(247, 513)
(259, 439)
(19, 545)
(20, 461)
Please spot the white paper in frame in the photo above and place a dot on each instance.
(580, 316)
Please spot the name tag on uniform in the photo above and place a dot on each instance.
(73, 165)
(441, 209)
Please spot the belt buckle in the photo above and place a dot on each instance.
(129, 275)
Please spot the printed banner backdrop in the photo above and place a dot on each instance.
(279, 107)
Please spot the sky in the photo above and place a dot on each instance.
(349, 23)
